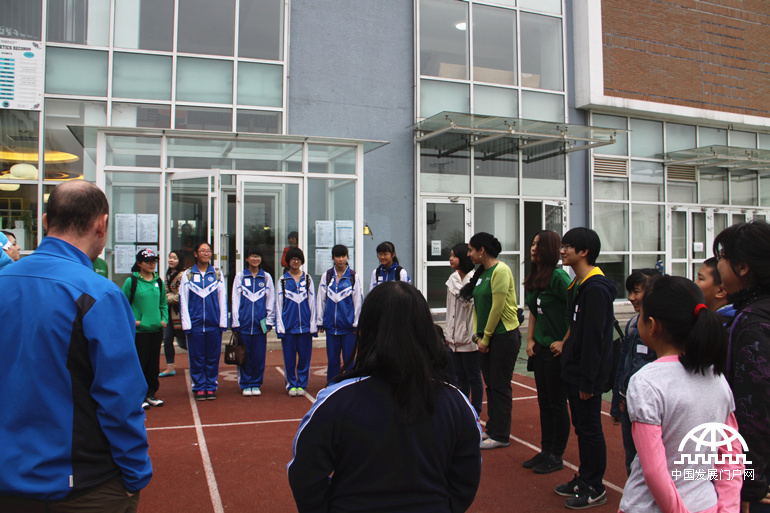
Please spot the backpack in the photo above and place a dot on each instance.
(135, 281)
(330, 273)
(190, 273)
(397, 275)
(614, 356)
(283, 283)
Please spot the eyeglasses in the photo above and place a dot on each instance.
(204, 251)
(565, 247)
(297, 259)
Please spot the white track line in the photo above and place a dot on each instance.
(306, 394)
(566, 463)
(227, 424)
(216, 499)
(535, 390)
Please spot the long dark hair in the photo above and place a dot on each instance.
(747, 243)
(671, 301)
(461, 253)
(493, 247)
(172, 273)
(406, 353)
(548, 256)
(387, 247)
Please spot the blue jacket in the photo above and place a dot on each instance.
(203, 300)
(339, 303)
(634, 354)
(295, 313)
(380, 275)
(253, 300)
(75, 419)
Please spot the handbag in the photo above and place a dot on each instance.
(235, 351)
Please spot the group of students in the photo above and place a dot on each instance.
(191, 306)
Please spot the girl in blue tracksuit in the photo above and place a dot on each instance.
(203, 310)
(253, 317)
(295, 322)
(339, 303)
(388, 270)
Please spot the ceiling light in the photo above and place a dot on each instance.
(461, 26)
(24, 171)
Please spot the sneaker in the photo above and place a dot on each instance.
(145, 405)
(154, 401)
(292, 392)
(256, 391)
(588, 498)
(533, 461)
(200, 395)
(211, 395)
(300, 391)
(548, 465)
(572, 488)
(484, 436)
(247, 392)
(493, 444)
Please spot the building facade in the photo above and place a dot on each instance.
(423, 121)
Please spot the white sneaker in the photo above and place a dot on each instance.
(247, 392)
(292, 392)
(300, 391)
(256, 391)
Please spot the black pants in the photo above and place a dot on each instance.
(110, 497)
(552, 399)
(587, 419)
(468, 372)
(497, 368)
(148, 349)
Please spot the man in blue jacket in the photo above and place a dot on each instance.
(73, 437)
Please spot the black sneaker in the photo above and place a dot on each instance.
(145, 405)
(154, 401)
(588, 498)
(200, 395)
(572, 488)
(210, 395)
(533, 461)
(548, 465)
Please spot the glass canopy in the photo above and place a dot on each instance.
(721, 156)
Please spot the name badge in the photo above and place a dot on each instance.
(379, 278)
(540, 311)
(156, 285)
(247, 282)
(538, 301)
(478, 282)
(642, 349)
(196, 277)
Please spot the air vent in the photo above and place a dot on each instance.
(681, 173)
(611, 167)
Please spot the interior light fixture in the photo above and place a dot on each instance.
(461, 26)
(24, 171)
(9, 187)
(50, 156)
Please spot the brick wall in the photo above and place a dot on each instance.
(705, 54)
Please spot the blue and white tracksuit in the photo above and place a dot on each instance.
(338, 307)
(73, 419)
(388, 274)
(295, 325)
(253, 301)
(203, 311)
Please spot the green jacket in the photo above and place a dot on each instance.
(149, 306)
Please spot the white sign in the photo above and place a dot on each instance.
(345, 233)
(697, 247)
(21, 74)
(323, 260)
(146, 228)
(435, 248)
(125, 256)
(324, 234)
(125, 227)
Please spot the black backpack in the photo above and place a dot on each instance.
(614, 356)
(398, 272)
(283, 283)
(134, 282)
(330, 273)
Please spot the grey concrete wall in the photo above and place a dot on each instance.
(351, 74)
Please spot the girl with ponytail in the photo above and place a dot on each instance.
(496, 331)
(671, 398)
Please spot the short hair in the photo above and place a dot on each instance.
(640, 277)
(253, 250)
(74, 206)
(711, 264)
(339, 250)
(293, 235)
(747, 243)
(461, 253)
(295, 253)
(583, 239)
(8, 234)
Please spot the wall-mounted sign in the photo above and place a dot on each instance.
(21, 74)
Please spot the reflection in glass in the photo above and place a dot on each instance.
(441, 171)
(615, 267)
(80, 22)
(133, 151)
(500, 217)
(621, 139)
(155, 73)
(138, 115)
(611, 223)
(764, 180)
(331, 159)
(329, 200)
(713, 186)
(201, 118)
(144, 24)
(206, 27)
(646, 181)
(18, 213)
(260, 29)
(445, 227)
(494, 46)
(260, 122)
(59, 114)
(743, 187)
(678, 234)
(645, 261)
(543, 176)
(436, 280)
(542, 62)
(699, 235)
(204, 80)
(607, 187)
(681, 192)
(496, 167)
(74, 71)
(21, 19)
(443, 39)
(18, 144)
(649, 227)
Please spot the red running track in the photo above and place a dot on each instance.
(230, 455)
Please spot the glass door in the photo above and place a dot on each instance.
(447, 222)
(554, 217)
(691, 235)
(269, 210)
(193, 213)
